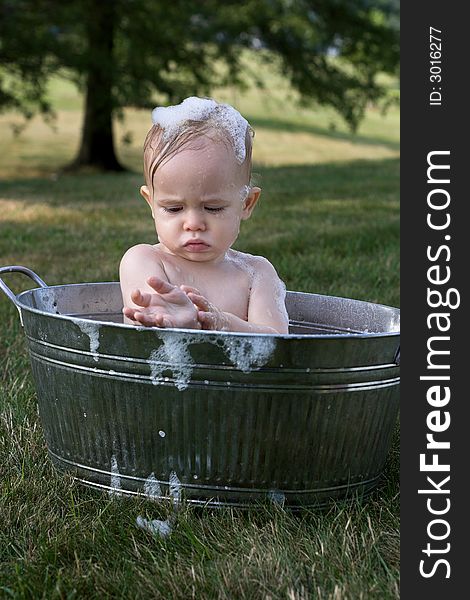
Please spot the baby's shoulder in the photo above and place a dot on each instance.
(141, 253)
(258, 264)
(258, 267)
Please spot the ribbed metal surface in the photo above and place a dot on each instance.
(228, 418)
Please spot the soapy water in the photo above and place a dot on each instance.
(245, 353)
(92, 330)
(153, 490)
(155, 526)
(276, 497)
(175, 488)
(115, 478)
(173, 118)
(249, 353)
(173, 354)
(152, 487)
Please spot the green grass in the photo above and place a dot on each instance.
(328, 220)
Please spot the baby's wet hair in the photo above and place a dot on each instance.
(159, 147)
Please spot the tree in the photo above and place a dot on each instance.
(123, 52)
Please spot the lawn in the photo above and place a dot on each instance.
(328, 220)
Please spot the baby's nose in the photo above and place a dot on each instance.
(194, 221)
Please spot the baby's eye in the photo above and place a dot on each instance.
(172, 209)
(214, 208)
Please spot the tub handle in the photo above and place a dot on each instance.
(18, 269)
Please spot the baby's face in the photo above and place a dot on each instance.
(200, 197)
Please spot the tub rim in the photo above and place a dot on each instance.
(283, 336)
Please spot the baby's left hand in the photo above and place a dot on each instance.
(168, 307)
(208, 315)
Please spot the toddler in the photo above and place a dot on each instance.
(197, 166)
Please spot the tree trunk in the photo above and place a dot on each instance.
(97, 142)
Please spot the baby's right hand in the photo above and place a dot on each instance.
(168, 307)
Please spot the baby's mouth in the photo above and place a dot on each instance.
(196, 245)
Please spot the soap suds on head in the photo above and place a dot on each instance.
(170, 118)
(173, 118)
(92, 330)
(174, 355)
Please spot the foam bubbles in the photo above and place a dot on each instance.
(172, 354)
(92, 330)
(242, 262)
(152, 487)
(248, 353)
(276, 497)
(191, 109)
(173, 118)
(175, 488)
(280, 299)
(115, 478)
(156, 527)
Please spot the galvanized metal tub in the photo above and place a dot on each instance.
(217, 418)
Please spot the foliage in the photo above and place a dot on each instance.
(330, 50)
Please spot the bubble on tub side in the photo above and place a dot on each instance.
(115, 478)
(42, 335)
(175, 487)
(250, 353)
(173, 354)
(156, 527)
(152, 488)
(92, 330)
(276, 497)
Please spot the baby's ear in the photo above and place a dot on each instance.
(250, 202)
(144, 192)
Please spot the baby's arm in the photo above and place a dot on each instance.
(266, 310)
(149, 299)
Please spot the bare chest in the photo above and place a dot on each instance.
(226, 287)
